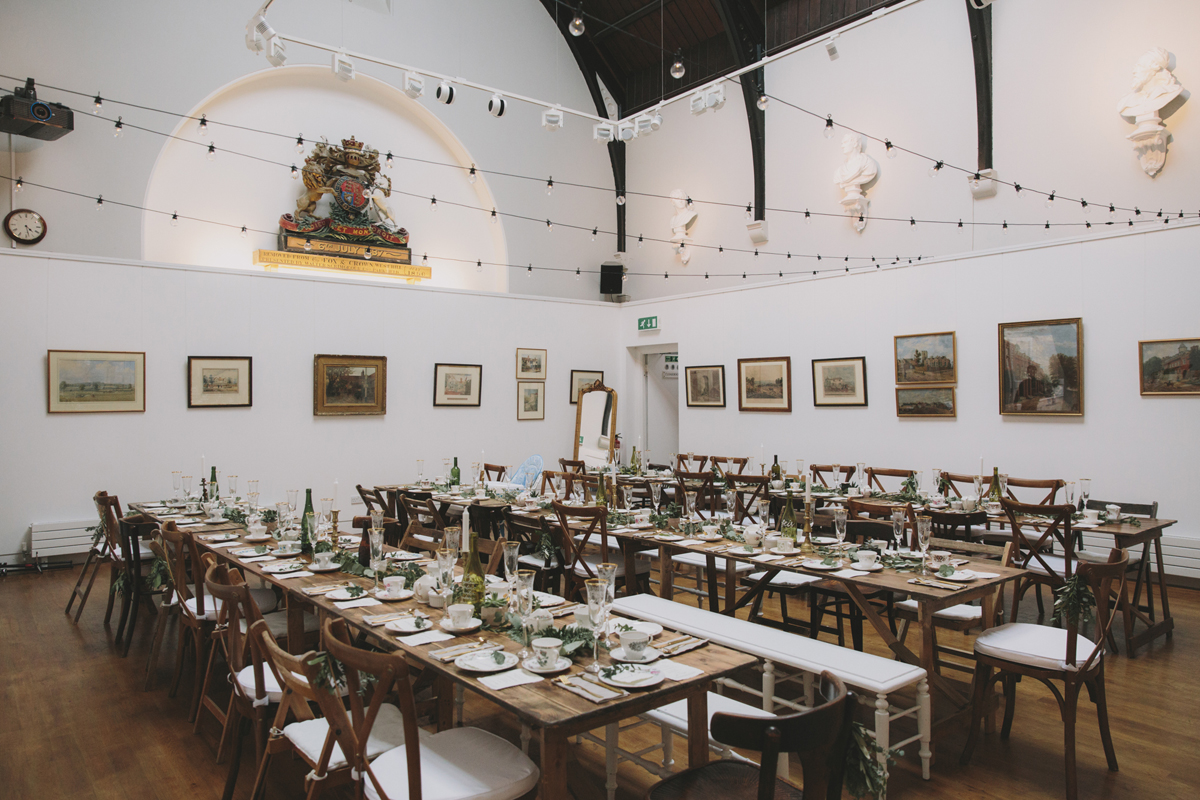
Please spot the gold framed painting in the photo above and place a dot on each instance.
(531, 400)
(765, 384)
(705, 386)
(1169, 367)
(93, 381)
(1041, 368)
(531, 364)
(220, 382)
(583, 378)
(840, 381)
(925, 401)
(926, 358)
(457, 384)
(349, 386)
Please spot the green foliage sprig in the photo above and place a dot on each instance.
(331, 675)
(158, 577)
(234, 514)
(577, 640)
(269, 515)
(616, 519)
(1074, 601)
(866, 775)
(664, 519)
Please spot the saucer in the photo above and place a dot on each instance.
(530, 664)
(313, 567)
(486, 661)
(262, 537)
(619, 654)
(221, 537)
(813, 564)
(709, 537)
(474, 624)
(669, 538)
(780, 552)
(408, 625)
(860, 567)
(380, 594)
(215, 520)
(342, 595)
(640, 678)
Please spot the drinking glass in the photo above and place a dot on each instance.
(860, 475)
(691, 457)
(512, 554)
(283, 512)
(252, 502)
(446, 470)
(1003, 484)
(377, 562)
(420, 470)
(597, 600)
(293, 495)
(655, 494)
(577, 492)
(252, 486)
(689, 501)
(978, 486)
(326, 508)
(525, 606)
(187, 485)
(783, 468)
(924, 532)
(839, 525)
(935, 475)
(1085, 491)
(608, 574)
(1069, 491)
(176, 477)
(231, 485)
(674, 461)
(920, 479)
(452, 538)
(898, 515)
(377, 518)
(446, 556)
(800, 469)
(559, 487)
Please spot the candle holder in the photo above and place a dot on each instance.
(334, 513)
(807, 547)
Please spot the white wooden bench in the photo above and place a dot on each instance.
(879, 676)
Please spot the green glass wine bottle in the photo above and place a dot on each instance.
(601, 491)
(306, 524)
(776, 472)
(994, 494)
(455, 475)
(473, 583)
(212, 486)
(787, 519)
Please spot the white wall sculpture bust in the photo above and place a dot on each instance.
(681, 225)
(1154, 86)
(858, 170)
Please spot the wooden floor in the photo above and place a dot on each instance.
(75, 722)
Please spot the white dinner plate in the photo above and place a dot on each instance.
(1084, 526)
(249, 552)
(486, 661)
(549, 600)
(824, 540)
(813, 564)
(669, 538)
(262, 537)
(343, 594)
(780, 552)
(709, 537)
(651, 629)
(331, 568)
(221, 537)
(640, 677)
(530, 664)
(408, 625)
(291, 566)
(960, 576)
(474, 624)
(649, 654)
(216, 520)
(381, 594)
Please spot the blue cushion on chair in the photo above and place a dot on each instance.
(528, 473)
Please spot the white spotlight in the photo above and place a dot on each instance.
(656, 121)
(643, 124)
(258, 30)
(496, 106)
(276, 51)
(414, 85)
(831, 47)
(604, 131)
(697, 104)
(342, 66)
(626, 131)
(553, 118)
(715, 98)
(445, 93)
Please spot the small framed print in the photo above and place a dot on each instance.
(1041, 368)
(91, 381)
(457, 384)
(581, 379)
(840, 381)
(1169, 367)
(220, 382)
(531, 364)
(925, 401)
(348, 386)
(926, 358)
(531, 400)
(765, 384)
(705, 386)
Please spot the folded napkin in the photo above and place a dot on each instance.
(513, 677)
(170, 516)
(257, 558)
(424, 638)
(766, 557)
(849, 573)
(690, 542)
(233, 543)
(620, 530)
(359, 603)
(676, 672)
(187, 524)
(987, 574)
(590, 690)
(301, 574)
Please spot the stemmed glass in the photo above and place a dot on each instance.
(512, 554)
(689, 502)
(327, 511)
(283, 513)
(420, 470)
(446, 470)
(924, 532)
(860, 475)
(525, 607)
(978, 486)
(474, 473)
(597, 600)
(231, 485)
(577, 492)
(608, 574)
(293, 496)
(1004, 484)
(377, 562)
(452, 538)
(655, 494)
(187, 486)
(934, 475)
(1085, 490)
(252, 503)
(837, 475)
(691, 457)
(446, 557)
(377, 518)
(898, 515)
(783, 468)
(252, 486)
(839, 525)
(800, 469)
(559, 487)
(1069, 491)
(176, 478)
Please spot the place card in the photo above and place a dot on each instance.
(428, 637)
(360, 603)
(513, 677)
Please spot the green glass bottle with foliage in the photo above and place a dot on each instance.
(307, 524)
(787, 519)
(474, 585)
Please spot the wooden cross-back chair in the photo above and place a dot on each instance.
(494, 472)
(168, 609)
(392, 529)
(99, 554)
(546, 487)
(569, 465)
(421, 539)
(372, 498)
(734, 464)
(875, 473)
(574, 543)
(590, 484)
(423, 511)
(953, 479)
(861, 508)
(136, 559)
(700, 485)
(1033, 548)
(820, 738)
(1028, 483)
(750, 491)
(530, 531)
(697, 463)
(819, 470)
(197, 614)
(1009, 652)
(946, 524)
(1138, 563)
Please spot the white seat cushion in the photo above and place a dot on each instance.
(962, 611)
(245, 679)
(265, 599)
(457, 764)
(701, 560)
(786, 579)
(309, 736)
(145, 553)
(1101, 557)
(593, 560)
(1056, 563)
(1034, 645)
(277, 623)
(212, 607)
(676, 714)
(533, 560)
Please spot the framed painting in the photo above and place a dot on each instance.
(840, 381)
(765, 384)
(1041, 367)
(348, 386)
(582, 378)
(1169, 367)
(705, 386)
(90, 381)
(925, 401)
(926, 358)
(531, 364)
(457, 384)
(531, 400)
(220, 382)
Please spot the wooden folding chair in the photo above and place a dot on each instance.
(531, 531)
(844, 470)
(1027, 483)
(99, 554)
(858, 509)
(421, 539)
(750, 491)
(424, 512)
(197, 617)
(136, 559)
(953, 480)
(699, 485)
(372, 498)
(168, 609)
(1033, 550)
(875, 473)
(696, 463)
(568, 465)
(946, 524)
(728, 464)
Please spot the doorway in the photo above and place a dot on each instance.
(656, 378)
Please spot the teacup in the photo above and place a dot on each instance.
(461, 614)
(423, 586)
(641, 517)
(968, 503)
(546, 651)
(867, 558)
(752, 538)
(878, 545)
(956, 505)
(992, 508)
(1091, 514)
(257, 529)
(938, 559)
(323, 560)
(288, 546)
(777, 485)
(438, 599)
(394, 586)
(634, 644)
(786, 544)
(1114, 513)
(709, 530)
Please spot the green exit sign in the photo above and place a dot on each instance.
(647, 323)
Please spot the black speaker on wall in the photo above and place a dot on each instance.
(612, 276)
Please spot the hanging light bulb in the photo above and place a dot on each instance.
(550, 186)
(576, 26)
(433, 203)
(529, 271)
(749, 211)
(495, 217)
(1112, 211)
(1084, 204)
(212, 152)
(175, 219)
(243, 234)
(1087, 224)
(807, 217)
(100, 202)
(577, 273)
(621, 199)
(471, 175)
(639, 241)
(975, 179)
(828, 132)
(388, 159)
(203, 124)
(97, 104)
(307, 244)
(20, 184)
(1046, 230)
(300, 143)
(891, 148)
(960, 226)
(549, 226)
(1017, 189)
(1131, 223)
(763, 102)
(789, 255)
(1050, 200)
(367, 254)
(743, 276)
(720, 250)
(1160, 213)
(479, 265)
(425, 260)
(594, 232)
(756, 252)
(678, 69)
(935, 169)
(912, 223)
(119, 128)
(295, 172)
(706, 276)
(1137, 212)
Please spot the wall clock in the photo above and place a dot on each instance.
(24, 226)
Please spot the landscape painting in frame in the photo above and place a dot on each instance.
(583, 378)
(926, 358)
(705, 386)
(932, 401)
(765, 384)
(531, 364)
(1041, 367)
(345, 386)
(1169, 366)
(840, 381)
(457, 384)
(220, 382)
(531, 400)
(89, 381)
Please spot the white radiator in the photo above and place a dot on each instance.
(48, 539)
(1181, 554)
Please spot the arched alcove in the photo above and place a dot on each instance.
(310, 101)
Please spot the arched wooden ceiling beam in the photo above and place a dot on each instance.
(747, 37)
(980, 20)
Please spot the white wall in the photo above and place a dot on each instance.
(663, 398)
(54, 463)
(1125, 288)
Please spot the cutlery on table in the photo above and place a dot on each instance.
(688, 643)
(934, 584)
(332, 587)
(676, 640)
